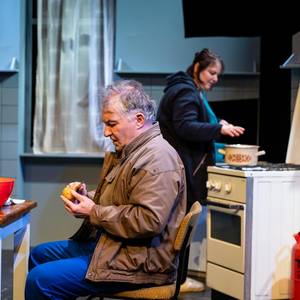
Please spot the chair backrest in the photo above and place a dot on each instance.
(183, 240)
(181, 243)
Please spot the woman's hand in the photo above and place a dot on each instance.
(223, 122)
(231, 130)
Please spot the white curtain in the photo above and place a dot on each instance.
(75, 60)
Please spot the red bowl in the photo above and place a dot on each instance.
(6, 187)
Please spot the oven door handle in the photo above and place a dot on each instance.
(223, 205)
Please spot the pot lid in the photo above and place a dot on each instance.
(242, 146)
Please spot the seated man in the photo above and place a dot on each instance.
(125, 241)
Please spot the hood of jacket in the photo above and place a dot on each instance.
(179, 79)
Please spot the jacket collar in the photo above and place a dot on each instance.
(141, 140)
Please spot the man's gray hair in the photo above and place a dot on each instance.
(131, 96)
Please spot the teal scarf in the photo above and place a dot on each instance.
(213, 120)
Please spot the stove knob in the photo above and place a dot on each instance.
(209, 185)
(227, 188)
(218, 186)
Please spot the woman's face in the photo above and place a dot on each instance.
(209, 76)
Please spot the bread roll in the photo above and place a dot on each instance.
(67, 190)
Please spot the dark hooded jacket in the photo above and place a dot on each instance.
(184, 123)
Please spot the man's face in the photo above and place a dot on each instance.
(120, 128)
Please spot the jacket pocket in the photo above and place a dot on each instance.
(129, 259)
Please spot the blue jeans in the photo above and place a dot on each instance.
(57, 271)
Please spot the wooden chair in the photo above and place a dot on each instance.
(170, 291)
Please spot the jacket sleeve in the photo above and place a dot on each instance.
(189, 118)
(150, 202)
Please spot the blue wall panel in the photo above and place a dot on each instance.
(9, 32)
(150, 39)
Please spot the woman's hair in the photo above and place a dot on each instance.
(131, 96)
(204, 58)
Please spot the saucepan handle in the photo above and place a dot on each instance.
(222, 151)
(262, 152)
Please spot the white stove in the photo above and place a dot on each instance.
(253, 213)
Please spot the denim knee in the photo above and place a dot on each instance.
(33, 288)
(34, 257)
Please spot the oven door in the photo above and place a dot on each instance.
(226, 233)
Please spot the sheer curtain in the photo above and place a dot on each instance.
(75, 60)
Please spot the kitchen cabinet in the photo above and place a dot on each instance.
(9, 33)
(293, 62)
(150, 39)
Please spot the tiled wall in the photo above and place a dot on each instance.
(45, 189)
(9, 133)
(229, 87)
(44, 178)
(9, 125)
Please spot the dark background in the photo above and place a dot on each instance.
(241, 112)
(275, 25)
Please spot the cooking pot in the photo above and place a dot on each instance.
(241, 155)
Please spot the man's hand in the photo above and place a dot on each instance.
(81, 189)
(83, 206)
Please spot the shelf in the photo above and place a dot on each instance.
(241, 74)
(141, 72)
(63, 156)
(168, 73)
(290, 66)
(9, 71)
(293, 62)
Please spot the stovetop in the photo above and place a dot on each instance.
(265, 166)
(260, 170)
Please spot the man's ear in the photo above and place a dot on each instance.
(140, 119)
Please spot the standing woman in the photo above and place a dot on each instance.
(188, 123)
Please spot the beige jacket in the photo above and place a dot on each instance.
(141, 201)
